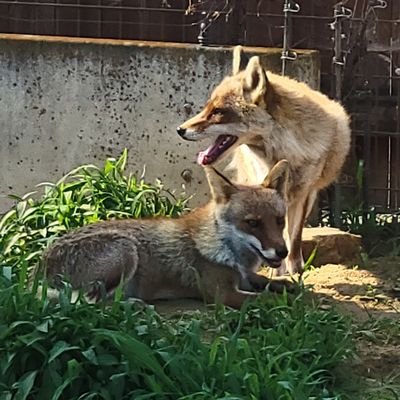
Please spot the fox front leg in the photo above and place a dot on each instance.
(221, 284)
(259, 283)
(253, 282)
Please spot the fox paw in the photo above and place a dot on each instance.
(279, 285)
(255, 283)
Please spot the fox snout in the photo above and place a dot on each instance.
(185, 134)
(282, 252)
(273, 256)
(181, 131)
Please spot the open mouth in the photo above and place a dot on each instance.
(222, 143)
(271, 262)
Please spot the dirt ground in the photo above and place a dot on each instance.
(370, 291)
(371, 295)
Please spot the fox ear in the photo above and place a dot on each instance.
(221, 188)
(255, 80)
(240, 60)
(278, 178)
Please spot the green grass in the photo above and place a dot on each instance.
(278, 347)
(274, 348)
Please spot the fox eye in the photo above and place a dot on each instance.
(254, 223)
(280, 221)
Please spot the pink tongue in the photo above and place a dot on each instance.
(222, 143)
(203, 155)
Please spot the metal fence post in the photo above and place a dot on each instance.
(338, 61)
(289, 7)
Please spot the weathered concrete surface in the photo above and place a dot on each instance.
(333, 246)
(69, 101)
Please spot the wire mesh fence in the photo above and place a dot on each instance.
(359, 43)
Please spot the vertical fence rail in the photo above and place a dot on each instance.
(289, 7)
(338, 61)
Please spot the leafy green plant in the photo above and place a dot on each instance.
(274, 348)
(85, 195)
(380, 231)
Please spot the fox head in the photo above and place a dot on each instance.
(236, 112)
(251, 219)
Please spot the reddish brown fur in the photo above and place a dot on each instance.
(206, 254)
(275, 117)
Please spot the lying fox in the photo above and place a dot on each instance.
(259, 118)
(212, 253)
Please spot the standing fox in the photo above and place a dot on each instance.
(212, 252)
(264, 117)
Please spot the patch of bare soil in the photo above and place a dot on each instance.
(371, 291)
(371, 294)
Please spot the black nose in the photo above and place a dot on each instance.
(181, 131)
(282, 252)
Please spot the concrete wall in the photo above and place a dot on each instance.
(66, 102)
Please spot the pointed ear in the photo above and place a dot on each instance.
(255, 80)
(278, 178)
(240, 60)
(221, 188)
